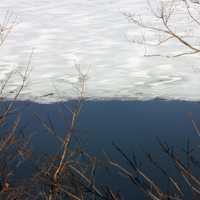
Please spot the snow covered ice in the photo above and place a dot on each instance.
(95, 35)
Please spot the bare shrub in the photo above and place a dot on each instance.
(172, 22)
(167, 30)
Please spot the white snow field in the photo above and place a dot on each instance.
(95, 35)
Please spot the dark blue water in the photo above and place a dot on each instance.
(133, 125)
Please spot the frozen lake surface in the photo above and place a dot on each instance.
(95, 35)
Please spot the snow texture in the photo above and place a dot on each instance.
(95, 35)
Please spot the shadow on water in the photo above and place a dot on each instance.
(134, 125)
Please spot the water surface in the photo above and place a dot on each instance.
(133, 125)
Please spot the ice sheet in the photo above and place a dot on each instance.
(95, 35)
